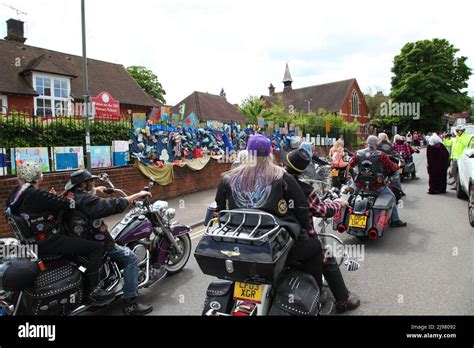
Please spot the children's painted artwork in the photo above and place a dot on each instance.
(68, 158)
(165, 113)
(101, 157)
(175, 120)
(154, 117)
(191, 121)
(120, 151)
(139, 121)
(36, 154)
(3, 162)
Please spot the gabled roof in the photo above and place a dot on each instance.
(18, 60)
(210, 107)
(328, 96)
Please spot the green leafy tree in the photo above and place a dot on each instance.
(428, 72)
(254, 107)
(148, 81)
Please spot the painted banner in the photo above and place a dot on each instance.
(68, 158)
(139, 120)
(38, 155)
(105, 105)
(191, 121)
(175, 120)
(120, 151)
(165, 113)
(101, 157)
(3, 162)
(155, 115)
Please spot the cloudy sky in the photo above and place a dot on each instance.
(242, 46)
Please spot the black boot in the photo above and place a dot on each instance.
(132, 307)
(97, 295)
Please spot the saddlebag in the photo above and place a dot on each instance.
(245, 250)
(219, 296)
(18, 274)
(56, 291)
(297, 294)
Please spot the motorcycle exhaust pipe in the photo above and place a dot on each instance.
(373, 234)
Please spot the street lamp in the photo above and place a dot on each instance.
(86, 86)
(309, 105)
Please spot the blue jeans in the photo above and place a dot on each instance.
(129, 263)
(396, 180)
(395, 216)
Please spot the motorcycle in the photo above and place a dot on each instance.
(368, 213)
(248, 251)
(340, 176)
(55, 286)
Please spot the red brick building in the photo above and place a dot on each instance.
(42, 82)
(342, 98)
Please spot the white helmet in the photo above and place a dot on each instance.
(29, 172)
(460, 128)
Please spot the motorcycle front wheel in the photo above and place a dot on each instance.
(176, 261)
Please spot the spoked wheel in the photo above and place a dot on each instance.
(471, 205)
(175, 260)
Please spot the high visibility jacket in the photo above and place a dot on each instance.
(458, 145)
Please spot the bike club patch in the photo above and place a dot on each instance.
(282, 207)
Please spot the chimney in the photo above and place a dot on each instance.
(271, 90)
(15, 31)
(287, 80)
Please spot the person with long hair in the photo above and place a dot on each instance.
(261, 184)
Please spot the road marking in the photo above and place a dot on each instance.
(198, 233)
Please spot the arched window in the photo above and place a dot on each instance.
(355, 104)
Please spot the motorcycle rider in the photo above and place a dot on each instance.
(381, 166)
(261, 184)
(402, 146)
(43, 211)
(297, 162)
(458, 145)
(385, 146)
(86, 220)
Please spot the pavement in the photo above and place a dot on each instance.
(423, 269)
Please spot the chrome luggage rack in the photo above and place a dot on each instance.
(243, 233)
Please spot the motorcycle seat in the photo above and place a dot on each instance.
(384, 201)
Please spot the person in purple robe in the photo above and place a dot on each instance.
(438, 164)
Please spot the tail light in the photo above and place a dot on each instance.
(244, 309)
(341, 228)
(240, 314)
(367, 213)
(350, 211)
(373, 234)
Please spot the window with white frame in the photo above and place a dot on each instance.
(54, 95)
(3, 104)
(355, 103)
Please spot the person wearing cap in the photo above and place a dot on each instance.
(261, 184)
(43, 210)
(296, 164)
(380, 166)
(86, 222)
(458, 145)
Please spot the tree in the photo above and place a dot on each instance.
(148, 81)
(429, 73)
(254, 107)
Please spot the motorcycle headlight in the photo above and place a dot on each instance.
(170, 214)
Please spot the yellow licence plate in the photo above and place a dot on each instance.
(248, 292)
(358, 221)
(334, 172)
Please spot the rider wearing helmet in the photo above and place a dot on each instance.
(372, 166)
(42, 212)
(458, 145)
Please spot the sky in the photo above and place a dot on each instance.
(243, 46)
